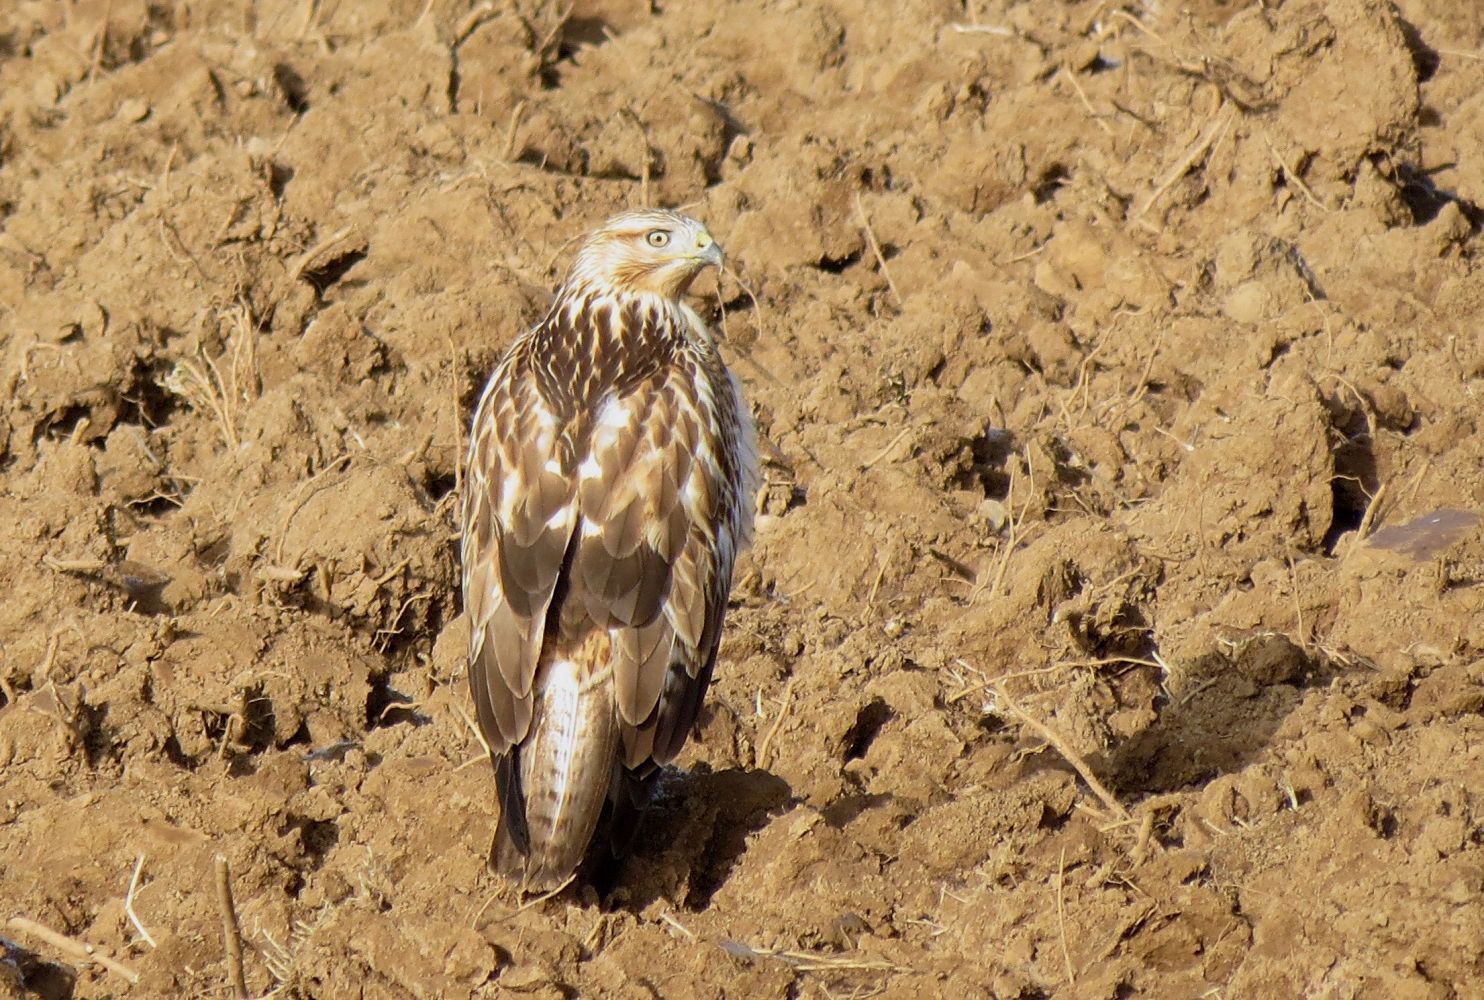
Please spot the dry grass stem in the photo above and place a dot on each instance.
(129, 904)
(204, 386)
(99, 43)
(1009, 705)
(887, 450)
(1110, 661)
(523, 907)
(1214, 127)
(860, 210)
(478, 734)
(77, 951)
(73, 565)
(1014, 538)
(231, 929)
(305, 490)
(767, 744)
(1145, 837)
(757, 311)
(1372, 509)
(983, 29)
(684, 930)
(1061, 917)
(1082, 96)
(811, 961)
(644, 155)
(512, 131)
(470, 22)
(876, 583)
(1293, 176)
(1298, 607)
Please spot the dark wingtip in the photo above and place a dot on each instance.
(513, 826)
(630, 804)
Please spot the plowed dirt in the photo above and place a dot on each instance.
(1116, 622)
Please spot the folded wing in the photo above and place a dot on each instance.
(618, 518)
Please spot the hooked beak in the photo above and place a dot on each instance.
(708, 251)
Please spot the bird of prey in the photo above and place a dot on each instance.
(610, 480)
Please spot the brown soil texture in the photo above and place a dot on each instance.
(1115, 626)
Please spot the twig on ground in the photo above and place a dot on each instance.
(1009, 705)
(887, 450)
(1014, 537)
(1145, 837)
(79, 951)
(767, 743)
(876, 583)
(478, 733)
(523, 907)
(231, 929)
(1071, 76)
(512, 131)
(689, 934)
(1061, 917)
(129, 904)
(982, 29)
(644, 154)
(1210, 132)
(1109, 661)
(757, 312)
(860, 210)
(100, 43)
(1292, 175)
(470, 22)
(809, 961)
(1368, 520)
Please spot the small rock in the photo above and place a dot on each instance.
(132, 109)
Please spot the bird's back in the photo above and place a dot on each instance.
(609, 491)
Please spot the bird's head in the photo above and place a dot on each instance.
(652, 251)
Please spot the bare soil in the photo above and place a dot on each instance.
(1116, 622)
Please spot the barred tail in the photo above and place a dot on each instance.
(553, 786)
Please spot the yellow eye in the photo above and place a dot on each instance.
(658, 238)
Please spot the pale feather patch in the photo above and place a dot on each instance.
(612, 415)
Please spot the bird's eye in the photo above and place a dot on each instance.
(658, 238)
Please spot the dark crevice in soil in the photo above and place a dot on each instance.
(1051, 180)
(292, 87)
(837, 265)
(868, 724)
(1424, 199)
(1425, 59)
(258, 721)
(388, 707)
(1355, 478)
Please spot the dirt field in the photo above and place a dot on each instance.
(1116, 622)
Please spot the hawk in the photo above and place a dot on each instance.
(610, 479)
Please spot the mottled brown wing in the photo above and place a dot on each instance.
(652, 561)
(519, 514)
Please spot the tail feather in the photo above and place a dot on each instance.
(631, 794)
(554, 785)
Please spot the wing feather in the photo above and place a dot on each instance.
(519, 515)
(658, 558)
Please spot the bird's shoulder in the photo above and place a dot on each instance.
(587, 350)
